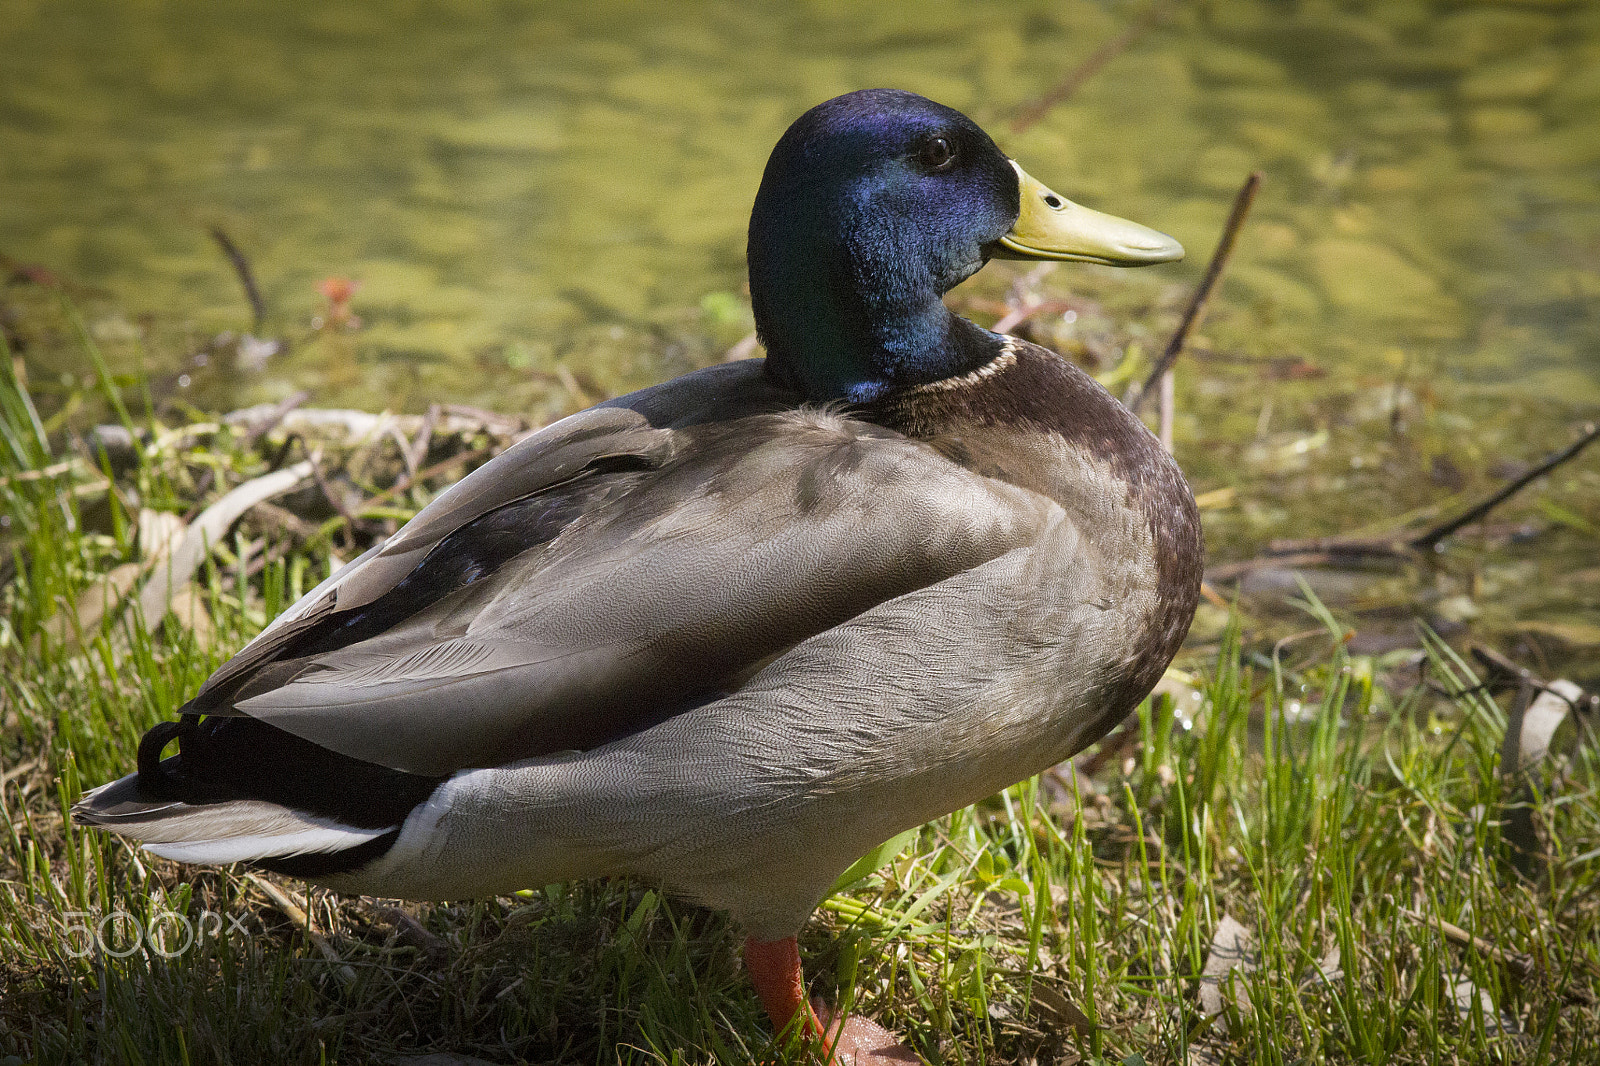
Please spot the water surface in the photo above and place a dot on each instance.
(516, 184)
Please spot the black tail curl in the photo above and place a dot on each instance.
(236, 757)
(154, 780)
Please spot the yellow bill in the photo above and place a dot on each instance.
(1053, 227)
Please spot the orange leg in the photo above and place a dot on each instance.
(774, 967)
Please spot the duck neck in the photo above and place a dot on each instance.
(825, 340)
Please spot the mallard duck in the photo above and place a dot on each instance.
(728, 633)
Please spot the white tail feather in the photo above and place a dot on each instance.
(240, 831)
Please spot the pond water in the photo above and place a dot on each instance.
(501, 178)
(535, 195)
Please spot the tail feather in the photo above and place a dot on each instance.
(239, 830)
(240, 790)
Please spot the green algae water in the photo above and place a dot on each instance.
(541, 204)
(516, 184)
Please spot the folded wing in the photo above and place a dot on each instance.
(609, 574)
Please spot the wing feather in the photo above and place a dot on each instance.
(557, 454)
(746, 537)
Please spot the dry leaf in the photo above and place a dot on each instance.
(1230, 950)
(1466, 994)
(1543, 717)
(1329, 968)
(159, 533)
(171, 575)
(94, 603)
(1060, 1009)
(188, 607)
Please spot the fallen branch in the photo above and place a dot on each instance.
(1345, 550)
(1515, 961)
(254, 434)
(1429, 539)
(1521, 965)
(1030, 113)
(1202, 295)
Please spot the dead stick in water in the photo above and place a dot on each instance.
(1427, 540)
(1030, 113)
(1323, 551)
(247, 277)
(1202, 295)
(1504, 670)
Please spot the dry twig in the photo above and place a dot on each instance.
(293, 911)
(247, 278)
(1202, 295)
(1430, 538)
(420, 446)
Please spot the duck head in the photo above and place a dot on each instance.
(872, 206)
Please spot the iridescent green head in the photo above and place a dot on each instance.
(872, 206)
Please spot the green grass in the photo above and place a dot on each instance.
(1338, 808)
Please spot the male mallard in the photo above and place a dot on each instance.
(730, 632)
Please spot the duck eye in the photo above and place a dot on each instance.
(936, 154)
